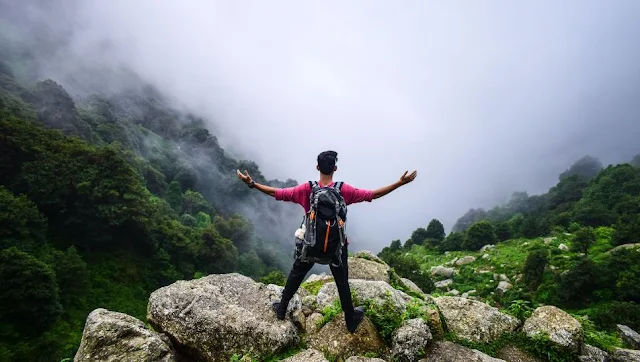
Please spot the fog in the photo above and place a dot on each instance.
(482, 98)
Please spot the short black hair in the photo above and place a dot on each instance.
(327, 161)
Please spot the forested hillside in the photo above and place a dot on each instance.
(108, 196)
(576, 247)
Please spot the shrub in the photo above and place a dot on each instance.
(533, 269)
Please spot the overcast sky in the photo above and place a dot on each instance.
(482, 98)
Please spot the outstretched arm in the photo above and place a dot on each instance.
(404, 179)
(271, 191)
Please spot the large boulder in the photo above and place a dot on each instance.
(337, 341)
(377, 291)
(593, 354)
(366, 254)
(630, 337)
(451, 352)
(410, 341)
(215, 317)
(364, 359)
(368, 270)
(562, 329)
(465, 260)
(112, 336)
(442, 271)
(308, 355)
(412, 286)
(625, 355)
(475, 321)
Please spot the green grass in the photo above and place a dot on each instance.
(314, 287)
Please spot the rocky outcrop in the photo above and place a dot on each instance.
(368, 255)
(335, 339)
(219, 315)
(514, 354)
(364, 359)
(473, 320)
(112, 336)
(309, 355)
(593, 354)
(377, 291)
(451, 352)
(410, 340)
(368, 270)
(442, 271)
(444, 284)
(465, 260)
(562, 329)
(630, 337)
(412, 286)
(625, 355)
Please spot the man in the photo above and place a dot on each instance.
(300, 195)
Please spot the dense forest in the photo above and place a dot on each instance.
(107, 196)
(576, 246)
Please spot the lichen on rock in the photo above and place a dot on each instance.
(558, 325)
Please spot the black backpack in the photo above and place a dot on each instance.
(325, 233)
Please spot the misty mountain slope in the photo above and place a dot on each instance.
(106, 198)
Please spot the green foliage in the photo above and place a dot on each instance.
(583, 239)
(314, 287)
(520, 309)
(606, 341)
(479, 234)
(577, 285)
(276, 277)
(534, 268)
(21, 223)
(453, 242)
(408, 267)
(329, 312)
(435, 230)
(30, 297)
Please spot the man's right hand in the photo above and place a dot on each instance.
(244, 177)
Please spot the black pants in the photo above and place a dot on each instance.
(340, 275)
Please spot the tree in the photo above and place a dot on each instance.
(418, 236)
(29, 297)
(503, 232)
(586, 167)
(435, 230)
(21, 223)
(583, 239)
(533, 269)
(452, 242)
(174, 196)
(635, 161)
(472, 216)
(479, 234)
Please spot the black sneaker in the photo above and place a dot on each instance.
(276, 308)
(356, 318)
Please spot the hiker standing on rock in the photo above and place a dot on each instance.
(322, 236)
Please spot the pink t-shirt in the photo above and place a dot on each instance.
(300, 194)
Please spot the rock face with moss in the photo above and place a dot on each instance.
(411, 340)
(216, 316)
(475, 321)
(335, 339)
(561, 328)
(364, 269)
(378, 291)
(112, 336)
(451, 352)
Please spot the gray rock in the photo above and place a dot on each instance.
(468, 294)
(465, 260)
(561, 328)
(593, 354)
(487, 247)
(503, 287)
(630, 337)
(335, 339)
(549, 240)
(368, 270)
(515, 354)
(377, 291)
(317, 277)
(624, 246)
(563, 247)
(451, 352)
(410, 341)
(455, 292)
(363, 359)
(309, 355)
(473, 320)
(443, 283)
(412, 286)
(366, 254)
(486, 256)
(625, 355)
(312, 323)
(219, 315)
(442, 271)
(112, 336)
